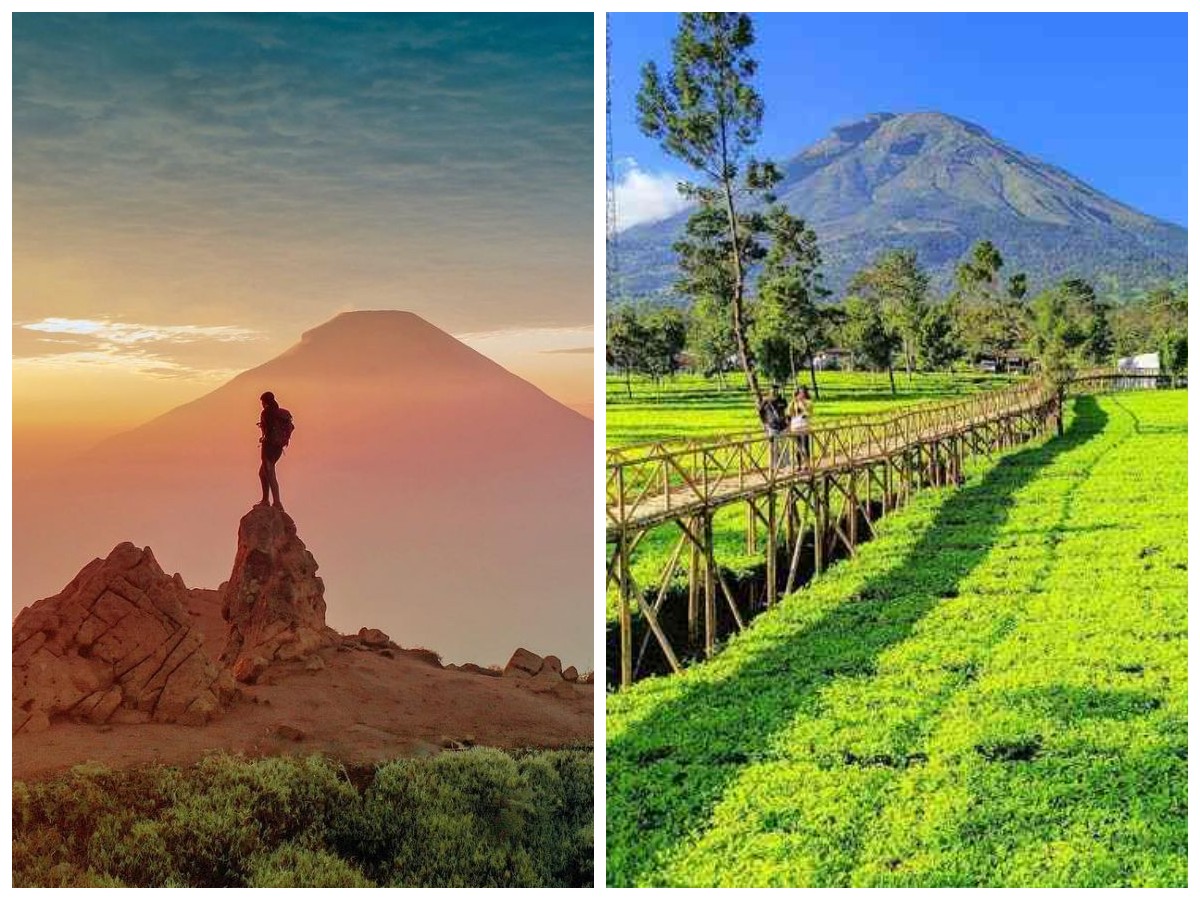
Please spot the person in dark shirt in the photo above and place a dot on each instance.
(773, 413)
(274, 424)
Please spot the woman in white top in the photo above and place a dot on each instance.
(798, 424)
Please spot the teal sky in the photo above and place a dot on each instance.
(268, 171)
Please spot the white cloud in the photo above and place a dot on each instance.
(645, 196)
(110, 358)
(128, 333)
(152, 351)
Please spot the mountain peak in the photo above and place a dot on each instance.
(378, 340)
(883, 129)
(359, 322)
(936, 183)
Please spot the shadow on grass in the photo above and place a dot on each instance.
(667, 771)
(1139, 428)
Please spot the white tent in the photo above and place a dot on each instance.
(1140, 363)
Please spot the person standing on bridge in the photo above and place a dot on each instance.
(276, 426)
(798, 425)
(773, 413)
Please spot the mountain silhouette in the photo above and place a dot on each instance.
(935, 183)
(449, 501)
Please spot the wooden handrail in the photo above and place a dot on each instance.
(699, 469)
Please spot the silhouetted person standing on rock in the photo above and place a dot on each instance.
(276, 426)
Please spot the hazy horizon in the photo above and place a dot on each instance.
(563, 373)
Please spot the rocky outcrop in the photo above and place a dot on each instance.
(373, 638)
(473, 669)
(116, 644)
(523, 664)
(274, 602)
(542, 673)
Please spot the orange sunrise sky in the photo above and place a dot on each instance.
(192, 192)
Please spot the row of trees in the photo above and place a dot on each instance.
(889, 320)
(750, 270)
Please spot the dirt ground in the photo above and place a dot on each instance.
(362, 707)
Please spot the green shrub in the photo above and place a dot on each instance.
(291, 866)
(458, 813)
(135, 851)
(481, 817)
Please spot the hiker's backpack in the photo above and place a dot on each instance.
(282, 427)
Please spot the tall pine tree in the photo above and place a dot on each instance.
(706, 112)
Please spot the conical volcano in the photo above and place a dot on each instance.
(384, 385)
(448, 500)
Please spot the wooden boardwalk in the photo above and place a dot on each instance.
(805, 497)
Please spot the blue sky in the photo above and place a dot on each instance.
(1103, 96)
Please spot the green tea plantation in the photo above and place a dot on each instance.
(992, 692)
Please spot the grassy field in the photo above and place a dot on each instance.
(993, 692)
(476, 818)
(693, 406)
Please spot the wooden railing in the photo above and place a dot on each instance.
(653, 479)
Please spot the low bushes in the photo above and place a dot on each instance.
(476, 818)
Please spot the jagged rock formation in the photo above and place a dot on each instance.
(115, 644)
(274, 601)
(118, 644)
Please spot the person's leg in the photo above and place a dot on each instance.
(264, 478)
(273, 482)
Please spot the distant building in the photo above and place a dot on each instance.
(1015, 362)
(833, 359)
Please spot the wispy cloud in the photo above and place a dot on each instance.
(645, 196)
(128, 333)
(154, 351)
(113, 359)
